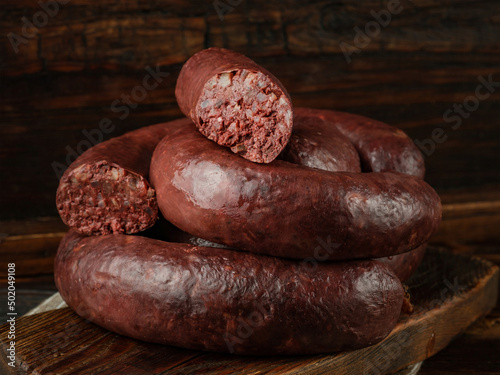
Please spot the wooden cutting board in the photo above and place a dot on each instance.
(448, 291)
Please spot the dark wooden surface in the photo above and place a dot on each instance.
(448, 291)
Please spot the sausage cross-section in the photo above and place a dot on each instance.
(106, 189)
(236, 103)
(316, 142)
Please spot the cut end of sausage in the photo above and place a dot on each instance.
(103, 198)
(247, 112)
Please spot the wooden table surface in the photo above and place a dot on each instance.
(475, 352)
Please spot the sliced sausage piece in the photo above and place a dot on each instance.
(223, 300)
(106, 189)
(236, 103)
(286, 210)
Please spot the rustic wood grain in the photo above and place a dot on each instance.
(470, 222)
(129, 34)
(73, 346)
(476, 352)
(441, 313)
(427, 59)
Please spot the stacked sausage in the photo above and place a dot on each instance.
(279, 216)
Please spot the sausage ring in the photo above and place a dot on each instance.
(287, 210)
(224, 300)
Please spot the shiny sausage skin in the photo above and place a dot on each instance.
(317, 142)
(226, 301)
(106, 189)
(381, 147)
(404, 265)
(287, 210)
(236, 103)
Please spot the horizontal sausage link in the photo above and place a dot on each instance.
(236, 103)
(223, 300)
(106, 189)
(283, 209)
(317, 142)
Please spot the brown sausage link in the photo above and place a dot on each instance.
(403, 265)
(226, 301)
(317, 143)
(236, 103)
(283, 209)
(106, 189)
(381, 147)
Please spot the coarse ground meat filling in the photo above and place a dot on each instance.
(102, 198)
(247, 112)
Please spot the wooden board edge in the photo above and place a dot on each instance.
(54, 302)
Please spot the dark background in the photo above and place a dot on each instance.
(86, 54)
